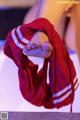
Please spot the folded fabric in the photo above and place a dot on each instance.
(33, 84)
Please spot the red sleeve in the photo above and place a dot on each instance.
(32, 86)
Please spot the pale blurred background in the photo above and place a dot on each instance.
(17, 3)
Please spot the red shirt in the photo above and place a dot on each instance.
(33, 85)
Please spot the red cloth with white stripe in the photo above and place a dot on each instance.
(33, 85)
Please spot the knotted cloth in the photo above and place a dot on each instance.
(33, 84)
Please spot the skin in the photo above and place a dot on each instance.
(75, 14)
(58, 20)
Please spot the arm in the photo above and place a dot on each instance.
(75, 15)
(40, 38)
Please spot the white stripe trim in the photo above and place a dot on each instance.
(21, 36)
(62, 98)
(65, 89)
(58, 100)
(76, 85)
(62, 91)
(75, 79)
(16, 40)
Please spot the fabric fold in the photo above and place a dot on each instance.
(63, 80)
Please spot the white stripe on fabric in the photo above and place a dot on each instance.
(62, 98)
(76, 85)
(65, 89)
(75, 79)
(58, 100)
(16, 40)
(21, 36)
(62, 91)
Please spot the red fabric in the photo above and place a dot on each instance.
(33, 85)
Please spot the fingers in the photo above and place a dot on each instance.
(31, 46)
(38, 50)
(47, 47)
